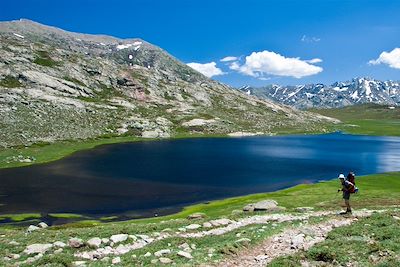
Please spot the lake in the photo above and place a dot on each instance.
(141, 179)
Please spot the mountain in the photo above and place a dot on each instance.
(339, 94)
(58, 85)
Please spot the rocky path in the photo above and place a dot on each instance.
(289, 242)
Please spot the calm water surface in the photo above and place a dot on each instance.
(144, 178)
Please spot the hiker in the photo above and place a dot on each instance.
(347, 188)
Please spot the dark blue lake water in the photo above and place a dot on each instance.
(144, 178)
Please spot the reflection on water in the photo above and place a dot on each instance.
(148, 177)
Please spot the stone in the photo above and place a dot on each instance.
(119, 238)
(185, 254)
(297, 241)
(221, 222)
(94, 242)
(154, 261)
(13, 243)
(116, 260)
(266, 205)
(59, 244)
(37, 248)
(148, 254)
(32, 228)
(165, 260)
(162, 252)
(75, 243)
(195, 216)
(43, 225)
(193, 226)
(304, 209)
(105, 240)
(122, 249)
(133, 237)
(248, 208)
(79, 263)
(207, 225)
(396, 217)
(58, 251)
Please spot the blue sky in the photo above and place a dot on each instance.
(270, 39)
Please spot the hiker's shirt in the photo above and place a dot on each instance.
(346, 186)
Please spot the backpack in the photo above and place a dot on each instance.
(352, 179)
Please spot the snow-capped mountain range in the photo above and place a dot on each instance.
(339, 94)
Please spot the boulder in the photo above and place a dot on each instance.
(165, 260)
(43, 225)
(94, 242)
(59, 244)
(119, 238)
(162, 252)
(193, 226)
(266, 205)
(185, 254)
(37, 248)
(32, 228)
(249, 208)
(195, 216)
(75, 243)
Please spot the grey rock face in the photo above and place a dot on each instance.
(339, 94)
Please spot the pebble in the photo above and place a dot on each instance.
(148, 254)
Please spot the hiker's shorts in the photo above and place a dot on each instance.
(346, 195)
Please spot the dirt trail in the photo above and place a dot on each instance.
(289, 242)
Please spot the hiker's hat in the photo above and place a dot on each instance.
(341, 176)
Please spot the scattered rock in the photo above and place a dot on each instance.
(207, 225)
(396, 217)
(13, 243)
(193, 226)
(79, 263)
(154, 261)
(165, 260)
(297, 241)
(221, 222)
(304, 209)
(122, 249)
(249, 208)
(105, 240)
(43, 225)
(32, 228)
(266, 205)
(58, 251)
(148, 254)
(59, 244)
(37, 248)
(185, 254)
(116, 260)
(94, 242)
(162, 252)
(196, 216)
(75, 243)
(119, 238)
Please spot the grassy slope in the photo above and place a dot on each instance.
(370, 119)
(375, 191)
(373, 241)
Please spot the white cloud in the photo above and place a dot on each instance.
(307, 39)
(208, 69)
(314, 60)
(229, 58)
(391, 58)
(234, 66)
(266, 62)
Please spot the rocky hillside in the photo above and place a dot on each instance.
(59, 85)
(339, 94)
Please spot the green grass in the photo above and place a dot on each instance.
(66, 215)
(10, 82)
(380, 190)
(43, 58)
(373, 241)
(369, 119)
(20, 217)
